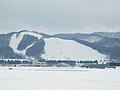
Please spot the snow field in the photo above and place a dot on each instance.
(93, 79)
(59, 49)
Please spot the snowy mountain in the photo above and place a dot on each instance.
(30, 44)
(108, 34)
(100, 41)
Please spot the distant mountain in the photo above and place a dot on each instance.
(30, 44)
(108, 34)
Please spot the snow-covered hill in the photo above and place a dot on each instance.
(30, 44)
(17, 38)
(59, 49)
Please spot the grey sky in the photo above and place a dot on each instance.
(54, 16)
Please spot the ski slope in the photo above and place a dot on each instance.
(16, 39)
(59, 49)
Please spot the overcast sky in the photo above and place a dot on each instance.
(56, 16)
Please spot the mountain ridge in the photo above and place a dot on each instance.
(33, 43)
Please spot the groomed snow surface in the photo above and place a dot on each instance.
(60, 49)
(15, 41)
(91, 79)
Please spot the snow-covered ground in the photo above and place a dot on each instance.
(60, 49)
(16, 39)
(25, 78)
